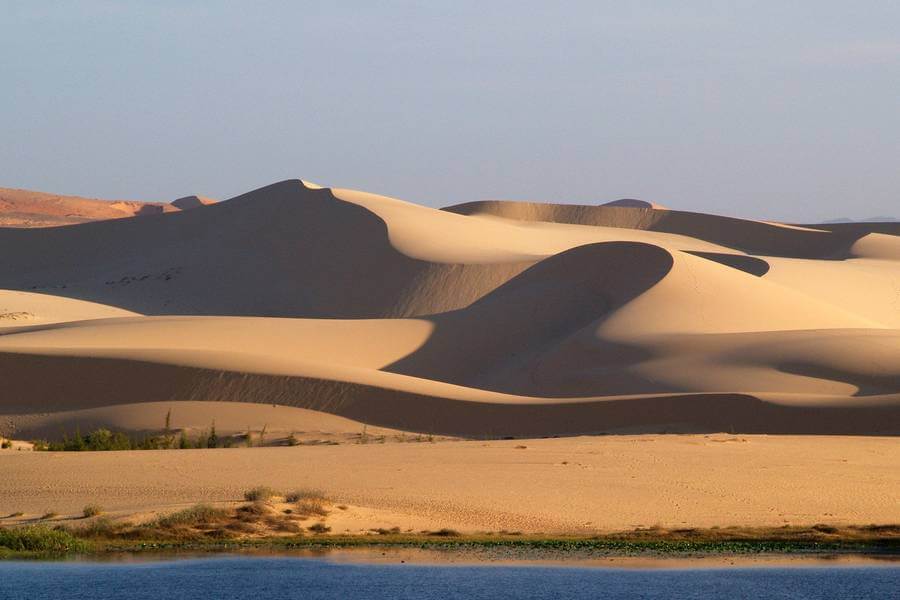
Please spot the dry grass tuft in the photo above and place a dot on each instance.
(304, 494)
(199, 514)
(319, 528)
(260, 494)
(444, 532)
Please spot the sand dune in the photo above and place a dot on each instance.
(484, 319)
(27, 209)
(189, 202)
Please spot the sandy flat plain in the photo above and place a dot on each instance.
(563, 485)
(331, 314)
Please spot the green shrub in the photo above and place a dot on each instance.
(104, 440)
(91, 510)
(213, 440)
(38, 538)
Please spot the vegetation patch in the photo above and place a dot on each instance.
(260, 494)
(39, 539)
(199, 514)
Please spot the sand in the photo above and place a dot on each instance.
(566, 485)
(29, 209)
(324, 311)
(491, 318)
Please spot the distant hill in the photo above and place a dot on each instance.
(29, 209)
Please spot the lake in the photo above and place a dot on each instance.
(242, 578)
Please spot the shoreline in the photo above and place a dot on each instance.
(703, 546)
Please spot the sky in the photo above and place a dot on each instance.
(776, 110)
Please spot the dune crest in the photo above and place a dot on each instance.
(481, 319)
(189, 202)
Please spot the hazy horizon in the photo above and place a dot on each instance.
(755, 109)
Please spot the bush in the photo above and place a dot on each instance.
(5, 444)
(91, 510)
(213, 440)
(260, 494)
(311, 507)
(38, 538)
(253, 513)
(104, 440)
(102, 527)
(319, 528)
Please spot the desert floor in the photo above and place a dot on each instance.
(562, 485)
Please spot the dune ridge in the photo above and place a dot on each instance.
(482, 319)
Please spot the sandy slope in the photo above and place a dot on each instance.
(553, 485)
(485, 319)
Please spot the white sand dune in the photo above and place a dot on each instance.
(484, 319)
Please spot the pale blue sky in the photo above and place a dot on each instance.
(781, 110)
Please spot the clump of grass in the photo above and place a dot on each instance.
(6, 444)
(304, 494)
(311, 507)
(39, 538)
(319, 528)
(383, 531)
(199, 514)
(260, 494)
(308, 503)
(99, 528)
(292, 440)
(287, 527)
(253, 513)
(91, 510)
(241, 527)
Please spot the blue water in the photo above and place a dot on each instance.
(246, 578)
